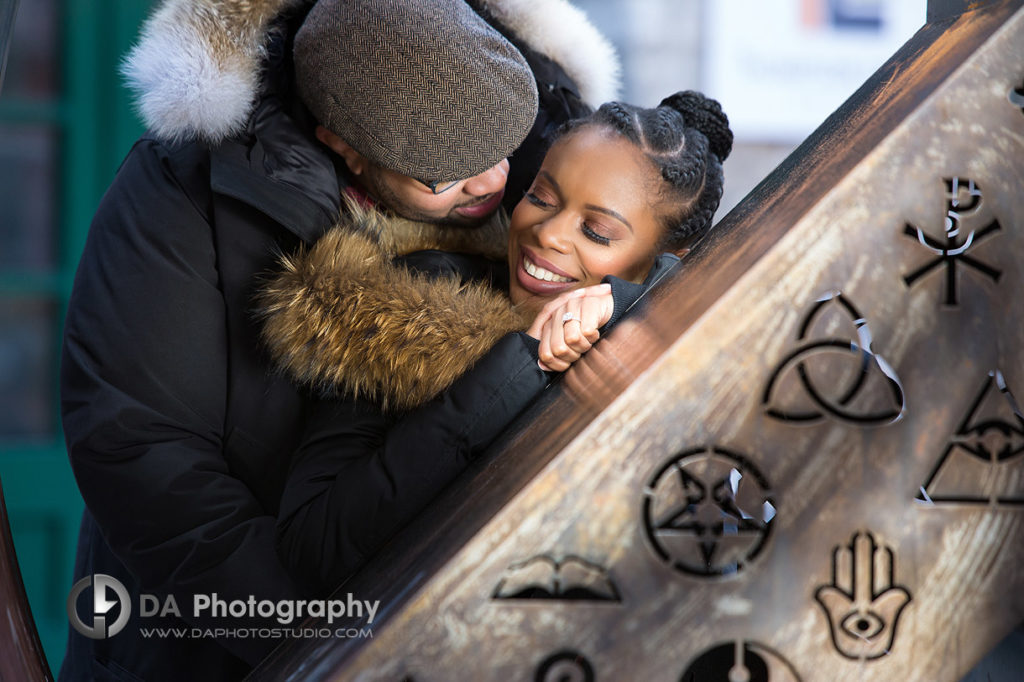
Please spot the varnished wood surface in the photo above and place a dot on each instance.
(939, 10)
(21, 652)
(703, 309)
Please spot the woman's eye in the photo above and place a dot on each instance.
(594, 236)
(536, 200)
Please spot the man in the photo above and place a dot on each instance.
(178, 433)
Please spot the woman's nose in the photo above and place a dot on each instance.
(555, 232)
(490, 181)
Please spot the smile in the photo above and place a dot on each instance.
(540, 273)
(541, 280)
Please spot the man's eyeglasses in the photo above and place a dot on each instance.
(439, 187)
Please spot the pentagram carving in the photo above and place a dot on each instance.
(571, 579)
(984, 461)
(708, 512)
(963, 200)
(565, 666)
(833, 371)
(739, 660)
(862, 603)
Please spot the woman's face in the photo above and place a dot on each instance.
(589, 213)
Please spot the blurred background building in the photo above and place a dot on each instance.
(779, 67)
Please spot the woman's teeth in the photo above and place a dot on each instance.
(538, 272)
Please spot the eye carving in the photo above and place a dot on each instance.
(862, 624)
(863, 603)
(984, 459)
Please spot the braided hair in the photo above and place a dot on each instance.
(686, 137)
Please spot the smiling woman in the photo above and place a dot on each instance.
(571, 229)
(613, 191)
(419, 349)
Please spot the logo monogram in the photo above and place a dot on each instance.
(101, 606)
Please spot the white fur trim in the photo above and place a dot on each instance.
(195, 70)
(562, 32)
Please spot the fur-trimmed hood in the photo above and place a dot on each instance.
(196, 67)
(342, 318)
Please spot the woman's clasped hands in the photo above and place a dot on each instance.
(567, 326)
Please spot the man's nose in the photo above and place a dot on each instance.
(490, 181)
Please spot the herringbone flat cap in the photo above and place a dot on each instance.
(422, 87)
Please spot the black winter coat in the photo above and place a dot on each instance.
(178, 435)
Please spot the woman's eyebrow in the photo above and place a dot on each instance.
(547, 176)
(610, 212)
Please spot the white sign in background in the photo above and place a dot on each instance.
(781, 67)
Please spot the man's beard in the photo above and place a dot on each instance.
(388, 199)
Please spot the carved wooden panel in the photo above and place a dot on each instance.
(810, 467)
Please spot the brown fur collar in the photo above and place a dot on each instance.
(342, 318)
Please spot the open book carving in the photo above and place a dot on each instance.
(542, 577)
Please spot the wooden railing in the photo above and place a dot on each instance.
(21, 652)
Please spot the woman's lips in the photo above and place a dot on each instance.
(482, 209)
(537, 286)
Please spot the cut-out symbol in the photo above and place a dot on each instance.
(963, 199)
(565, 666)
(572, 579)
(833, 371)
(984, 461)
(1016, 97)
(739, 661)
(862, 604)
(708, 512)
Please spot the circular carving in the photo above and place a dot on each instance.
(708, 512)
(565, 666)
(739, 662)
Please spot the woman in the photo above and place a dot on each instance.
(428, 363)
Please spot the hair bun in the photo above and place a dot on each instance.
(706, 115)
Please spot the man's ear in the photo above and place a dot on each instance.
(682, 252)
(355, 161)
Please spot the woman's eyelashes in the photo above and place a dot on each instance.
(536, 200)
(593, 236)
